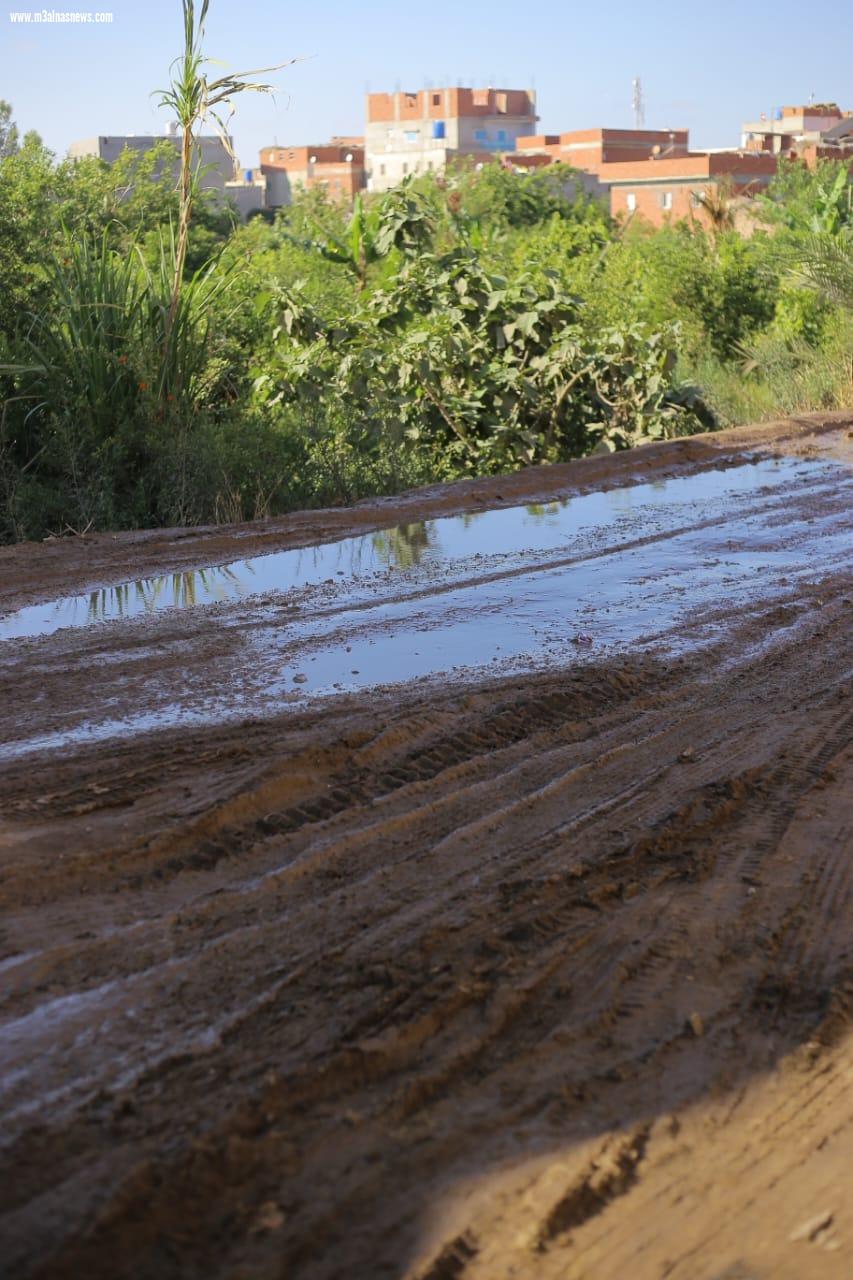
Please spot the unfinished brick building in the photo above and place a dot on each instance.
(337, 167)
(409, 133)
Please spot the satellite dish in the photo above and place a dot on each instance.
(348, 157)
(312, 159)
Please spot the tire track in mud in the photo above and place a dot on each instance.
(543, 975)
(430, 1052)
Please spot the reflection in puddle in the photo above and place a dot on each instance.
(424, 548)
(169, 590)
(401, 547)
(666, 566)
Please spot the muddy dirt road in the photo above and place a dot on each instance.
(465, 896)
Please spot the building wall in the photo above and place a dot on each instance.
(590, 148)
(444, 104)
(649, 201)
(409, 133)
(789, 126)
(667, 190)
(210, 150)
(248, 197)
(325, 166)
(811, 155)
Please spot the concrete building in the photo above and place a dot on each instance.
(248, 193)
(673, 187)
(793, 127)
(336, 166)
(217, 164)
(409, 133)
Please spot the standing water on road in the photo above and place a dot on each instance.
(500, 591)
(434, 544)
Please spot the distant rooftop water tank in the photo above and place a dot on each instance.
(247, 175)
(438, 128)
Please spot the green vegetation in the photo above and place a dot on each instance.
(160, 364)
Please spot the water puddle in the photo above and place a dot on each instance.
(432, 546)
(670, 565)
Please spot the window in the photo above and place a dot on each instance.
(630, 202)
(501, 135)
(697, 199)
(411, 135)
(429, 164)
(405, 169)
(436, 99)
(665, 199)
(480, 135)
(382, 171)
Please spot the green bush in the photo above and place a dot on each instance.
(459, 325)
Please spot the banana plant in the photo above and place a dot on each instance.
(400, 221)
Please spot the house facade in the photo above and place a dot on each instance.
(336, 167)
(424, 131)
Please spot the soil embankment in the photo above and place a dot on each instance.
(547, 972)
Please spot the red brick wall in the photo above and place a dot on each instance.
(590, 148)
(443, 104)
(648, 205)
(648, 202)
(298, 157)
(342, 178)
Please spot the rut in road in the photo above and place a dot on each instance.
(336, 967)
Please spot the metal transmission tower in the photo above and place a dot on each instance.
(637, 103)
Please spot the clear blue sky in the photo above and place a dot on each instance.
(705, 65)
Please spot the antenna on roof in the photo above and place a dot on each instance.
(637, 103)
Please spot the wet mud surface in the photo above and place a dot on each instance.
(536, 966)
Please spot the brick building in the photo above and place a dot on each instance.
(408, 133)
(589, 149)
(336, 166)
(672, 187)
(793, 127)
(650, 173)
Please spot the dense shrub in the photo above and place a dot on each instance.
(458, 325)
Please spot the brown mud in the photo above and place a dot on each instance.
(541, 974)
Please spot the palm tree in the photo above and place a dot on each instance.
(717, 200)
(826, 265)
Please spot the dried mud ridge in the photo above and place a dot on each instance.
(544, 976)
